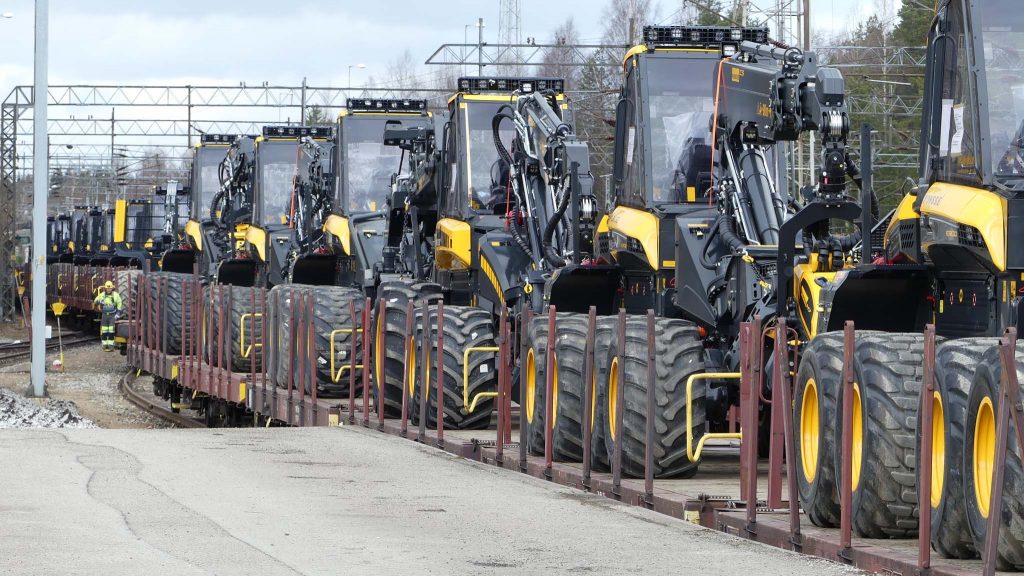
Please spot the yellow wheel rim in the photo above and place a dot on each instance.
(554, 393)
(613, 394)
(938, 449)
(531, 384)
(984, 454)
(411, 367)
(810, 430)
(858, 436)
(378, 352)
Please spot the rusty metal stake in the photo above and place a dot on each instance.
(549, 392)
(524, 420)
(649, 428)
(409, 356)
(620, 382)
(298, 358)
(588, 396)
(221, 335)
(783, 385)
(353, 353)
(263, 352)
(252, 330)
(750, 423)
(311, 357)
(379, 385)
(502, 367)
(924, 478)
(425, 389)
(440, 374)
(364, 339)
(846, 490)
(1010, 395)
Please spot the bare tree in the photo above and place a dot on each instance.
(401, 72)
(625, 19)
(557, 61)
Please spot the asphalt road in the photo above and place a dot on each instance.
(324, 501)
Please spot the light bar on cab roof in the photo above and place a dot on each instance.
(385, 105)
(510, 84)
(298, 131)
(217, 138)
(702, 36)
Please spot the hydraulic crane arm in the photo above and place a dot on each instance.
(552, 208)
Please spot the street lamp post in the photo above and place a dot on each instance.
(479, 46)
(350, 67)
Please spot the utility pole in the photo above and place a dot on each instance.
(114, 179)
(807, 25)
(302, 115)
(480, 48)
(40, 186)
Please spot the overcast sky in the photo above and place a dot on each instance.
(280, 41)
(216, 42)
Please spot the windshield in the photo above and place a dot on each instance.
(207, 183)
(369, 164)
(680, 103)
(279, 162)
(488, 178)
(1003, 34)
(135, 223)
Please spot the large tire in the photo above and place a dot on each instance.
(887, 376)
(390, 339)
(983, 406)
(205, 337)
(240, 298)
(332, 310)
(567, 433)
(165, 308)
(464, 327)
(283, 344)
(814, 424)
(604, 340)
(679, 354)
(171, 296)
(955, 362)
(127, 285)
(534, 364)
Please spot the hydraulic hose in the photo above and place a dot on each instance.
(217, 199)
(727, 228)
(550, 255)
(514, 229)
(496, 129)
(704, 261)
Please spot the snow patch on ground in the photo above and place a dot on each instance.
(19, 412)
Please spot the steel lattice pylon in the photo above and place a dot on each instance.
(8, 208)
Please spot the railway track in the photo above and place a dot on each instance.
(17, 351)
(127, 387)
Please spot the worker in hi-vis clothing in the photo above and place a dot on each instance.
(110, 305)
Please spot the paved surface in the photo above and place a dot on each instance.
(323, 501)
